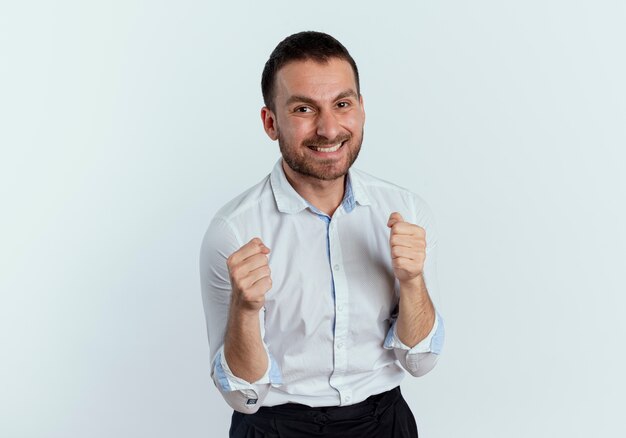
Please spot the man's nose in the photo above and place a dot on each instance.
(327, 125)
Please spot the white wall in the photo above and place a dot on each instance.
(126, 124)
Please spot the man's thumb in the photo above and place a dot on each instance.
(394, 218)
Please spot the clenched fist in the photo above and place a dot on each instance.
(408, 248)
(250, 279)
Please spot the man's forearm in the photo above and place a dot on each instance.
(249, 272)
(243, 346)
(416, 314)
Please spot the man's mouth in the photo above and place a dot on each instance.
(328, 149)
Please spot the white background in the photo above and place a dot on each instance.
(124, 125)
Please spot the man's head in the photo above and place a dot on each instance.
(303, 46)
(313, 106)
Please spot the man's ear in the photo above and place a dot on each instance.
(269, 123)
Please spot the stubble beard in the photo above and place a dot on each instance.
(318, 168)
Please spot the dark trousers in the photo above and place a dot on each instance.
(383, 415)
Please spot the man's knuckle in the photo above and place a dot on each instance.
(240, 285)
(235, 271)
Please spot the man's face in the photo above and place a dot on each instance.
(318, 118)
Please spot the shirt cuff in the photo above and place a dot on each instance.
(226, 381)
(432, 343)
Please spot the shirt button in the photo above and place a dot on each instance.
(336, 267)
(347, 398)
(340, 345)
(340, 307)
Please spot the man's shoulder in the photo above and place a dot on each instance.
(369, 180)
(245, 201)
(375, 186)
(391, 197)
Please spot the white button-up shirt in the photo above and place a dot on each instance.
(328, 323)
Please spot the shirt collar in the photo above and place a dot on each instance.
(289, 201)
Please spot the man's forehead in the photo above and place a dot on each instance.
(313, 76)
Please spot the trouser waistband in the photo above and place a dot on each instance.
(373, 406)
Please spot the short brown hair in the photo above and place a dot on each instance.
(302, 46)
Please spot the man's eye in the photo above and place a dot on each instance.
(343, 104)
(303, 109)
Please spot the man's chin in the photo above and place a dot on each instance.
(327, 174)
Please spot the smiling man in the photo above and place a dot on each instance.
(316, 282)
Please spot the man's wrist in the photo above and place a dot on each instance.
(242, 307)
(244, 314)
(414, 285)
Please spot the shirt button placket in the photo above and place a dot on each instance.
(341, 317)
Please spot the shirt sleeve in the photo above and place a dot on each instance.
(219, 242)
(421, 358)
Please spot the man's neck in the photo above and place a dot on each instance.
(326, 196)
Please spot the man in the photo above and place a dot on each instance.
(316, 281)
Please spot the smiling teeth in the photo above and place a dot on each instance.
(332, 149)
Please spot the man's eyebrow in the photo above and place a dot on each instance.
(300, 99)
(347, 93)
(304, 99)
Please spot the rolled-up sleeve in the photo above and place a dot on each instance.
(219, 242)
(241, 395)
(421, 358)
